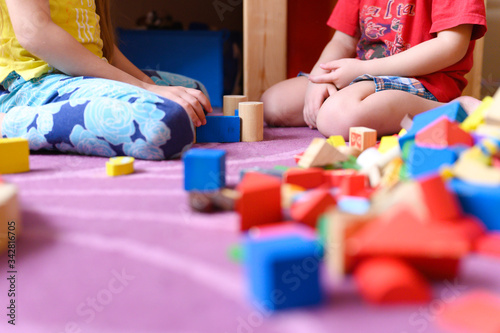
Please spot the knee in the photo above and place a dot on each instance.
(274, 110)
(337, 116)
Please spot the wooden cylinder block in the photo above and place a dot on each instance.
(231, 103)
(252, 121)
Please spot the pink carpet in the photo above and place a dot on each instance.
(126, 254)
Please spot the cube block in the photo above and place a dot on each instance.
(219, 129)
(14, 155)
(204, 169)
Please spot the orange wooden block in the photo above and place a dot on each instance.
(443, 133)
(309, 208)
(476, 312)
(307, 178)
(362, 138)
(442, 204)
(489, 244)
(260, 201)
(334, 177)
(388, 281)
(435, 249)
(353, 184)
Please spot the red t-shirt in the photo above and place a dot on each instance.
(387, 27)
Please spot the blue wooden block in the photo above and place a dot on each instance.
(219, 129)
(422, 161)
(237, 113)
(480, 201)
(453, 111)
(284, 272)
(354, 205)
(204, 169)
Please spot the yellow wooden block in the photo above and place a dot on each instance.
(477, 117)
(14, 155)
(476, 154)
(118, 166)
(10, 217)
(336, 140)
(402, 132)
(387, 143)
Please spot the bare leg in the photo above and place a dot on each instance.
(360, 105)
(284, 102)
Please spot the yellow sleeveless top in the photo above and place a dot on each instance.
(77, 17)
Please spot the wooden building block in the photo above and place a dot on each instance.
(362, 137)
(336, 140)
(204, 169)
(475, 119)
(231, 103)
(390, 281)
(14, 155)
(489, 244)
(270, 261)
(219, 129)
(442, 204)
(435, 249)
(353, 185)
(387, 143)
(475, 312)
(288, 194)
(207, 202)
(310, 207)
(319, 154)
(10, 214)
(307, 178)
(476, 172)
(119, 166)
(252, 121)
(260, 201)
(443, 133)
(334, 177)
(349, 151)
(422, 161)
(492, 115)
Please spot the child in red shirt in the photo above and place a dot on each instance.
(387, 58)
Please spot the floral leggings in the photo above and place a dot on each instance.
(99, 117)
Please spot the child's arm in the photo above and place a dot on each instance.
(38, 34)
(449, 47)
(340, 46)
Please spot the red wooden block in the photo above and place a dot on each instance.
(443, 133)
(389, 280)
(469, 227)
(442, 204)
(489, 244)
(354, 184)
(334, 177)
(435, 249)
(309, 208)
(279, 230)
(307, 178)
(260, 201)
(476, 312)
(298, 156)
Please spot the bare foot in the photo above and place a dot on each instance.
(468, 103)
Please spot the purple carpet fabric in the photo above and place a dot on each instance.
(126, 254)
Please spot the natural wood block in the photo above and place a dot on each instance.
(320, 153)
(362, 137)
(9, 212)
(252, 121)
(231, 103)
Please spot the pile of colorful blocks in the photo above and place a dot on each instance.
(395, 213)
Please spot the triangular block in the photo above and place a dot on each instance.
(443, 133)
(320, 153)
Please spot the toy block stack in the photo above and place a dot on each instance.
(242, 121)
(394, 215)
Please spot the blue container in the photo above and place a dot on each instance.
(196, 54)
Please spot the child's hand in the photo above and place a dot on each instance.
(315, 96)
(342, 72)
(192, 100)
